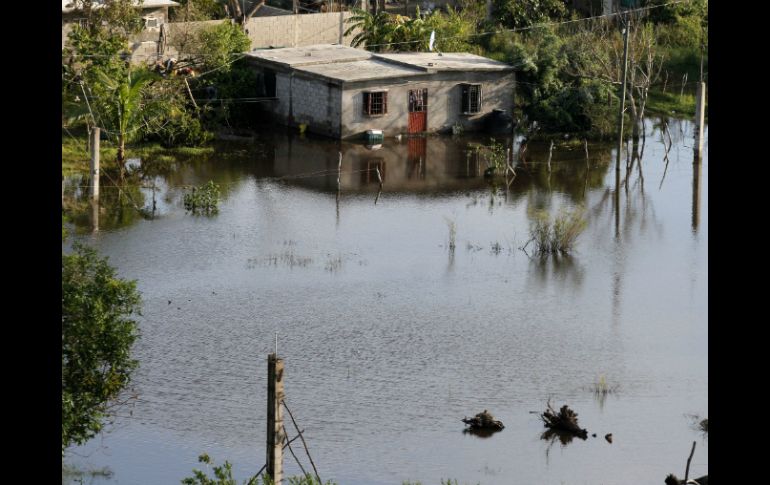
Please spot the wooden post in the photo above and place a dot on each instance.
(695, 195)
(550, 153)
(95, 163)
(687, 471)
(700, 115)
(275, 430)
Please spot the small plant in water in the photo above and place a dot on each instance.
(493, 155)
(602, 388)
(559, 235)
(203, 199)
(452, 226)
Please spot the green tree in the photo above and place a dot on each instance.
(121, 109)
(97, 334)
(526, 13)
(372, 29)
(219, 46)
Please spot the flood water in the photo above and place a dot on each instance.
(389, 337)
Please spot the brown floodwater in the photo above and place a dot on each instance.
(389, 337)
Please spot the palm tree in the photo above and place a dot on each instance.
(120, 107)
(373, 29)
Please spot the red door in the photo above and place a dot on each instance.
(418, 111)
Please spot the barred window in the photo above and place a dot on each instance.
(375, 103)
(471, 98)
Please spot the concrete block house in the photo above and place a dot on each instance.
(342, 92)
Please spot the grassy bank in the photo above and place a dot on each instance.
(75, 155)
(672, 104)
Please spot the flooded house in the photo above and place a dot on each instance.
(343, 92)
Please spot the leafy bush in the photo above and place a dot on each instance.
(203, 199)
(97, 335)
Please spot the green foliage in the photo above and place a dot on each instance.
(203, 199)
(218, 46)
(494, 155)
(548, 91)
(223, 475)
(97, 335)
(454, 31)
(218, 51)
(196, 10)
(526, 13)
(372, 29)
(559, 235)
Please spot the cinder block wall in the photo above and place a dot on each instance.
(308, 101)
(264, 32)
(299, 30)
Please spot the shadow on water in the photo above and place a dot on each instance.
(564, 437)
(480, 432)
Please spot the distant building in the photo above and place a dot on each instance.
(154, 14)
(342, 92)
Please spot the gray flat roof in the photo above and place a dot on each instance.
(362, 70)
(310, 54)
(447, 61)
(343, 63)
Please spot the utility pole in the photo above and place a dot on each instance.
(95, 134)
(626, 27)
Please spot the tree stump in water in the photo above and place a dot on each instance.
(483, 420)
(673, 480)
(565, 420)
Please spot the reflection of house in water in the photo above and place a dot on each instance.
(342, 92)
(428, 164)
(416, 164)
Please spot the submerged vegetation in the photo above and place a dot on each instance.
(557, 236)
(223, 475)
(203, 199)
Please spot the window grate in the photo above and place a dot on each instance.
(375, 103)
(471, 98)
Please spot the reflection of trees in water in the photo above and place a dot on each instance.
(159, 178)
(561, 268)
(569, 174)
(552, 435)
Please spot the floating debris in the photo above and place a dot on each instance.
(673, 480)
(565, 420)
(483, 420)
(608, 437)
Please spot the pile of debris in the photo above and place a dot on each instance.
(673, 480)
(483, 420)
(564, 420)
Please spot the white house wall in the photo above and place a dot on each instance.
(444, 102)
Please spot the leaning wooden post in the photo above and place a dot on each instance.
(275, 432)
(687, 471)
(700, 114)
(95, 163)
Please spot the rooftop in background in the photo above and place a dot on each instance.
(342, 63)
(69, 5)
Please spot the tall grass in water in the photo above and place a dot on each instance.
(452, 226)
(558, 235)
